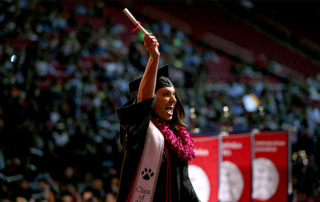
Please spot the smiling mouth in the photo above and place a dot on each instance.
(170, 110)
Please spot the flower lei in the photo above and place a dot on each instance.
(180, 142)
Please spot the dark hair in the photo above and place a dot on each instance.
(178, 113)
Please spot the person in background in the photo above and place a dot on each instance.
(113, 189)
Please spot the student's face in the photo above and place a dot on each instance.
(165, 103)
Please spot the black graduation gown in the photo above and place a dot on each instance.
(134, 120)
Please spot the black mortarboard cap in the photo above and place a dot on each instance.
(162, 80)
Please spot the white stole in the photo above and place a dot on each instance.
(148, 170)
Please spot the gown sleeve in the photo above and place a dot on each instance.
(188, 189)
(134, 120)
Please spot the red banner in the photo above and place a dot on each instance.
(203, 170)
(235, 169)
(270, 167)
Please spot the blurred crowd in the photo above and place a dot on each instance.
(62, 77)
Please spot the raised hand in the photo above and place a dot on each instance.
(151, 44)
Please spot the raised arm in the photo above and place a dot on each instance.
(148, 81)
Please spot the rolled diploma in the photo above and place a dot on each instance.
(134, 21)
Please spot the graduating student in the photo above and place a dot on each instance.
(156, 145)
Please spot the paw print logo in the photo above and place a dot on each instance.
(147, 174)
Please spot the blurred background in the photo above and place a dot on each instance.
(65, 65)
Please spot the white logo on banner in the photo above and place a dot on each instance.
(200, 182)
(265, 179)
(231, 182)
